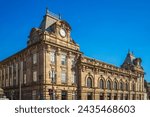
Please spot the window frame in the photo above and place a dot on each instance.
(52, 57)
(63, 59)
(89, 82)
(101, 84)
(63, 77)
(115, 85)
(109, 85)
(35, 58)
(34, 76)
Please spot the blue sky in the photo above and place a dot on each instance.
(104, 29)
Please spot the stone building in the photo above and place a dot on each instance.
(53, 67)
(148, 90)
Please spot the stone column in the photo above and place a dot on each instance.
(97, 94)
(4, 84)
(69, 95)
(17, 74)
(58, 69)
(69, 72)
(21, 72)
(12, 73)
(0, 78)
(112, 95)
(58, 94)
(105, 95)
(83, 95)
(8, 82)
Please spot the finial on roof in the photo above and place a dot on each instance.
(129, 52)
(47, 11)
(59, 16)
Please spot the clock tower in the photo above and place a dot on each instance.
(54, 25)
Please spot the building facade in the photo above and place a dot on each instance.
(148, 90)
(53, 67)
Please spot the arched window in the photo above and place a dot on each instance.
(108, 85)
(101, 84)
(127, 87)
(89, 82)
(115, 85)
(121, 86)
(133, 86)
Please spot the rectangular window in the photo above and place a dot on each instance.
(108, 96)
(34, 58)
(89, 96)
(121, 96)
(34, 76)
(73, 77)
(52, 57)
(34, 93)
(101, 96)
(53, 76)
(63, 77)
(64, 95)
(10, 80)
(14, 81)
(25, 79)
(7, 82)
(126, 97)
(74, 96)
(63, 60)
(115, 96)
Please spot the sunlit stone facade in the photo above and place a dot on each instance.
(53, 67)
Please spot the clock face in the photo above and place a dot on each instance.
(62, 32)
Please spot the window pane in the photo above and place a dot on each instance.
(101, 96)
(108, 96)
(34, 93)
(53, 76)
(34, 76)
(121, 96)
(108, 85)
(25, 79)
(52, 57)
(121, 86)
(89, 83)
(34, 58)
(89, 96)
(133, 87)
(63, 77)
(127, 88)
(64, 95)
(74, 96)
(115, 85)
(101, 84)
(63, 60)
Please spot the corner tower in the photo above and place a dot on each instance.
(132, 63)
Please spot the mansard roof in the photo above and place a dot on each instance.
(50, 19)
